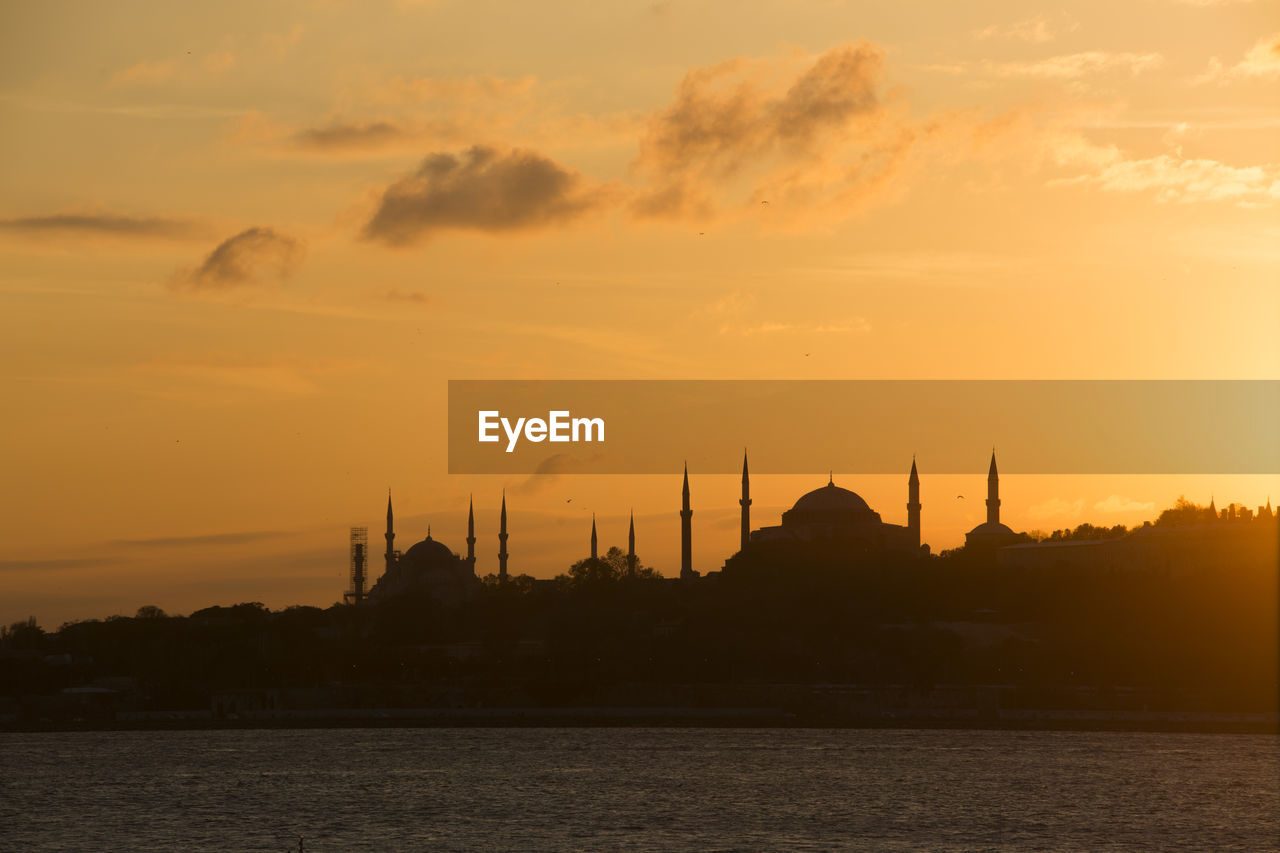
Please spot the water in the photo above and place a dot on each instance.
(638, 789)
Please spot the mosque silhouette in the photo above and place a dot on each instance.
(833, 519)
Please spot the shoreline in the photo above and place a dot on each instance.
(746, 718)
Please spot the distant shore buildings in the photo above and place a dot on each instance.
(834, 525)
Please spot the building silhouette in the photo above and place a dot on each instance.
(831, 522)
(839, 521)
(834, 526)
(686, 532)
(428, 567)
(992, 535)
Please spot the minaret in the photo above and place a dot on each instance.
(471, 534)
(631, 546)
(502, 540)
(391, 535)
(745, 503)
(594, 553)
(993, 492)
(686, 532)
(913, 504)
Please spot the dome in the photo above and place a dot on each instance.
(830, 506)
(988, 528)
(831, 498)
(429, 552)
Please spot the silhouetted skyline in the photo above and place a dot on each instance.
(232, 317)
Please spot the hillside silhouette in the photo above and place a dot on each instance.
(1198, 638)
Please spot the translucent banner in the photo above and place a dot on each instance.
(864, 426)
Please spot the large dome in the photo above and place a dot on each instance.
(830, 506)
(429, 552)
(831, 498)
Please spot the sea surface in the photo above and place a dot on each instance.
(661, 789)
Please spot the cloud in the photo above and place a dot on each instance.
(146, 72)
(103, 224)
(819, 137)
(463, 90)
(1056, 508)
(1067, 68)
(339, 135)
(858, 325)
(400, 114)
(1177, 179)
(201, 541)
(153, 72)
(217, 63)
(483, 189)
(550, 470)
(1260, 61)
(280, 377)
(1117, 503)
(416, 297)
(55, 564)
(243, 259)
(1076, 65)
(1033, 30)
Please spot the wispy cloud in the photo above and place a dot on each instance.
(1072, 66)
(288, 377)
(155, 72)
(1260, 61)
(244, 258)
(432, 90)
(402, 113)
(854, 326)
(56, 564)
(146, 72)
(349, 135)
(1118, 503)
(1033, 30)
(1173, 178)
(212, 539)
(102, 224)
(1056, 508)
(550, 470)
(817, 139)
(412, 296)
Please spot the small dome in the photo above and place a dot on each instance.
(988, 528)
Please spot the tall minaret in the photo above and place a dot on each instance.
(913, 503)
(631, 546)
(686, 532)
(471, 534)
(502, 540)
(993, 492)
(391, 535)
(594, 553)
(745, 503)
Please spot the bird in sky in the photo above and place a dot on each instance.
(959, 497)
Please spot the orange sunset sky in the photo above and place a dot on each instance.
(244, 245)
